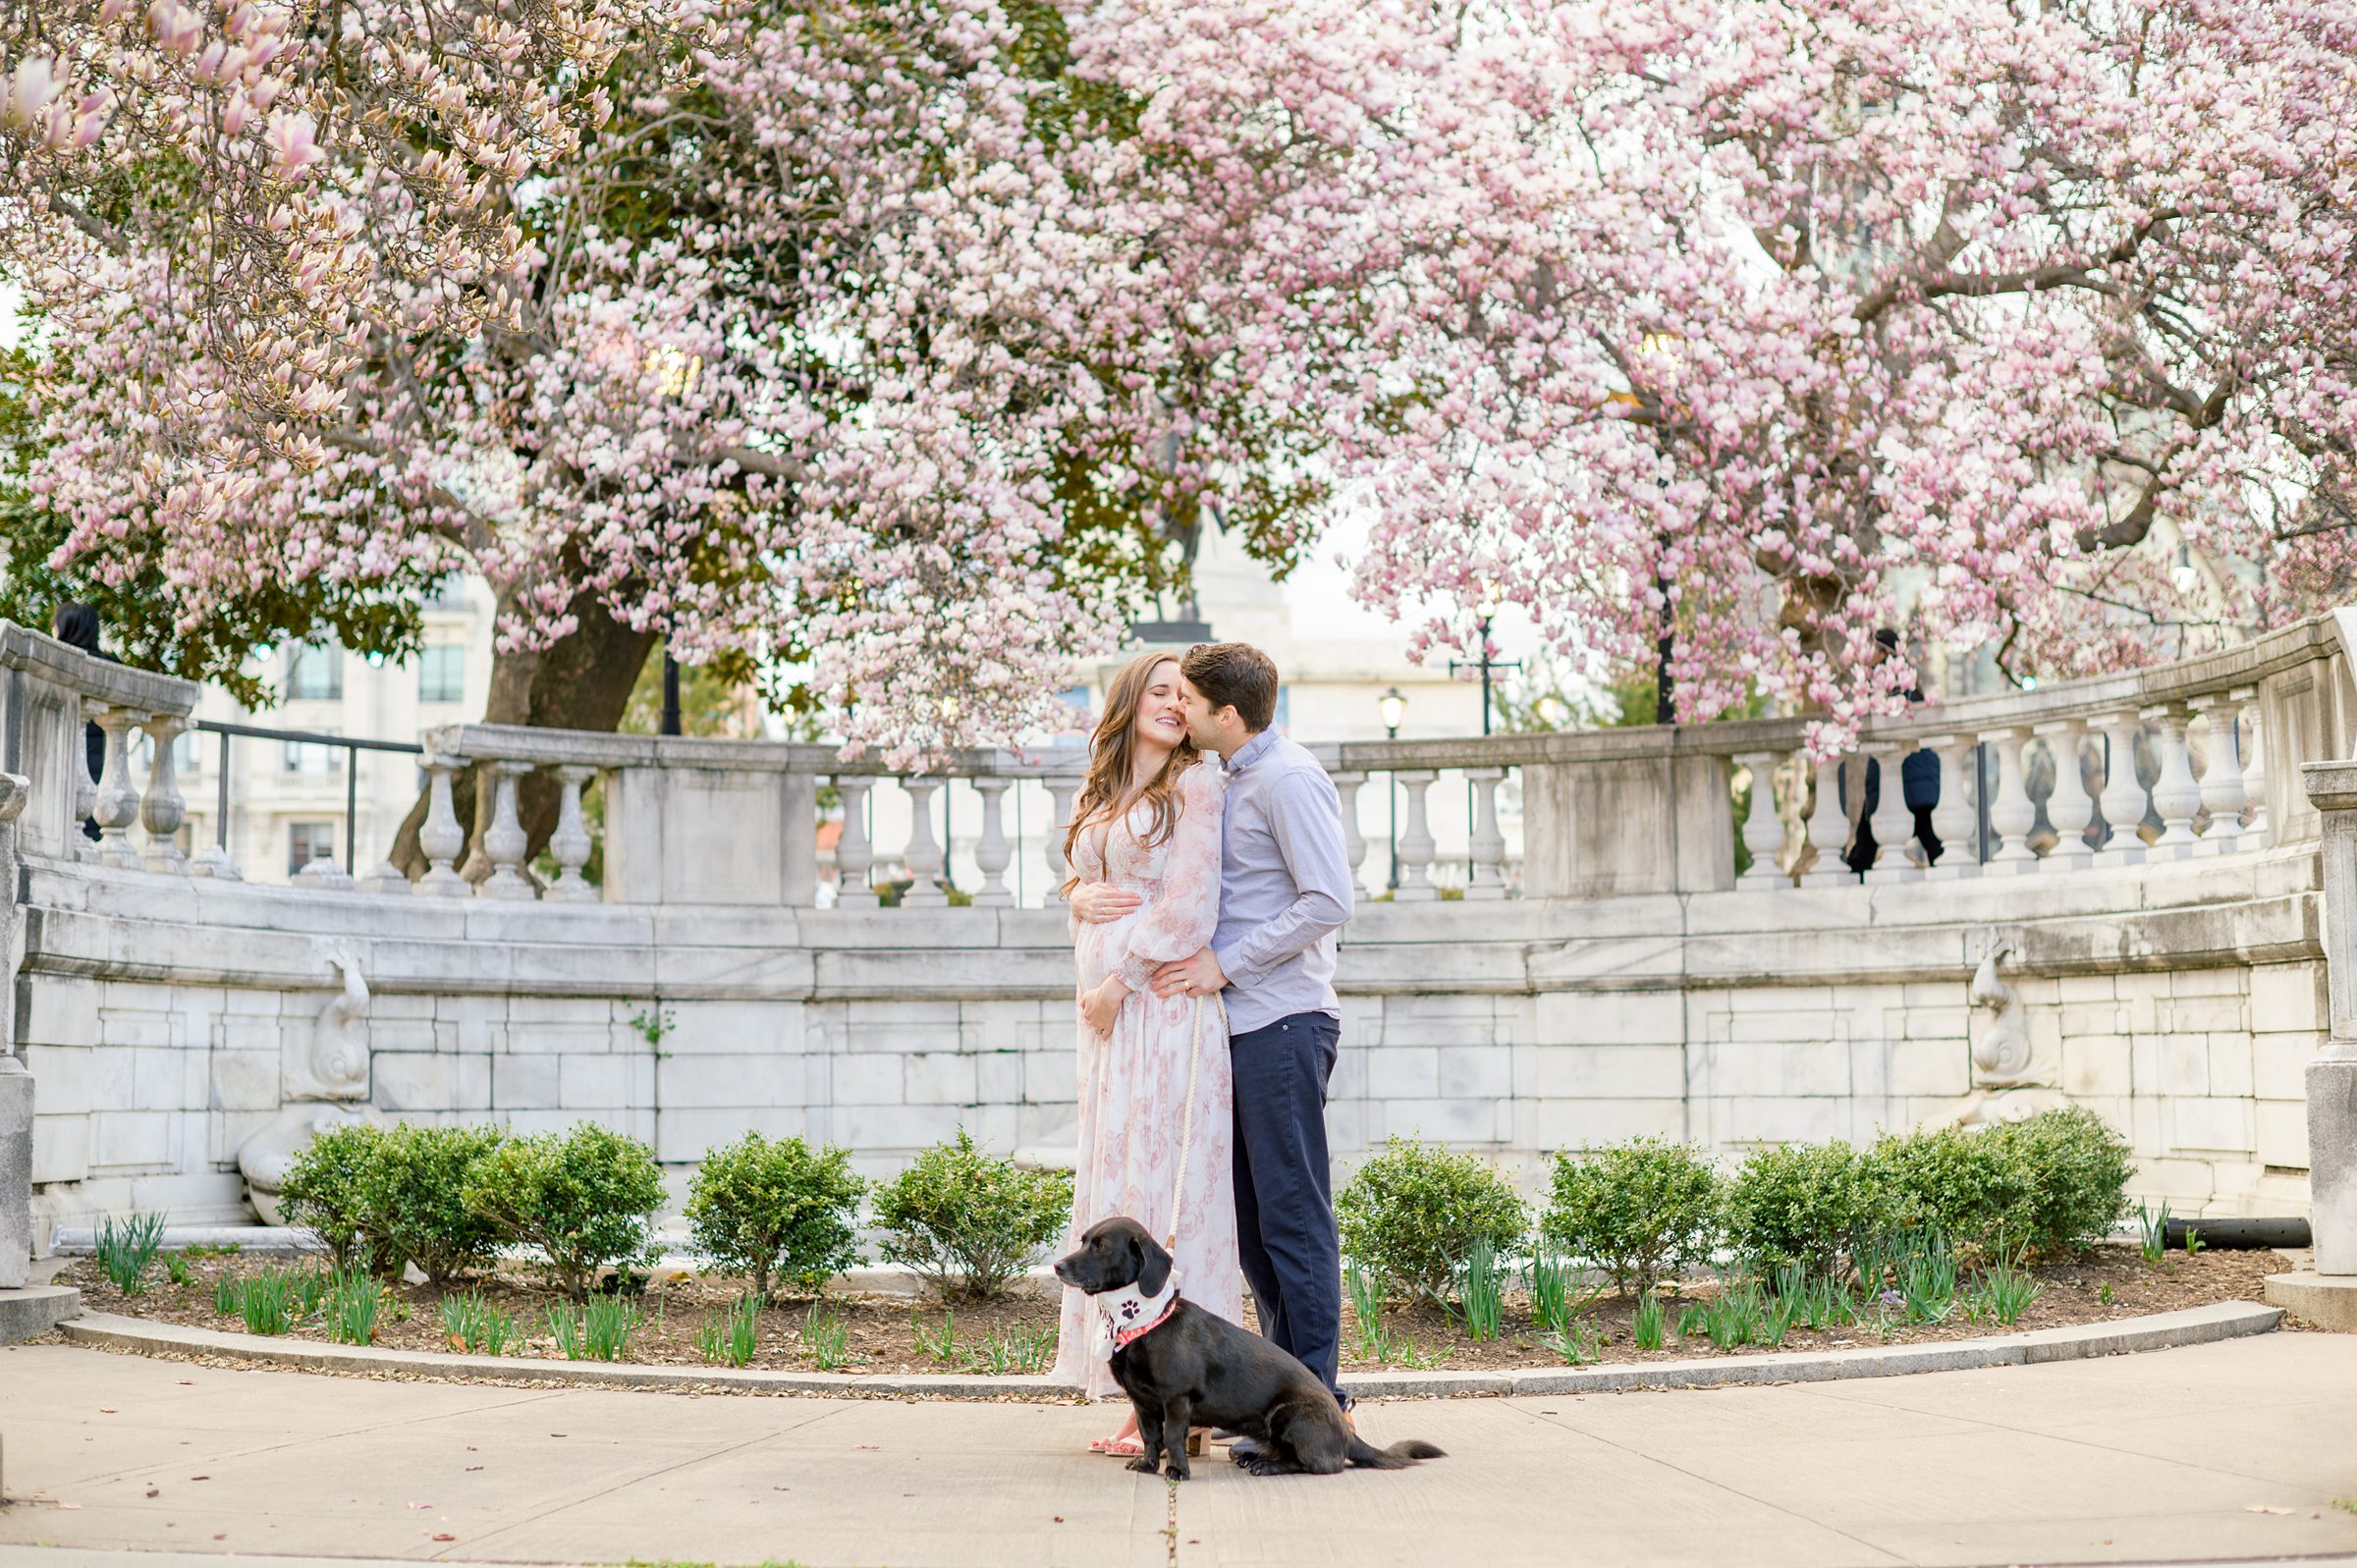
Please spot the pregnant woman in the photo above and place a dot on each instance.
(1156, 1126)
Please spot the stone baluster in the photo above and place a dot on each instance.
(2222, 774)
(1346, 784)
(924, 857)
(992, 853)
(1416, 846)
(1829, 827)
(117, 803)
(1060, 817)
(2011, 812)
(2254, 768)
(1762, 829)
(569, 846)
(2123, 800)
(86, 787)
(321, 873)
(2176, 794)
(2070, 808)
(1485, 871)
(161, 808)
(1954, 823)
(1894, 849)
(505, 841)
(855, 851)
(441, 837)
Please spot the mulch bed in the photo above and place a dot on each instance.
(2073, 1295)
(1017, 1334)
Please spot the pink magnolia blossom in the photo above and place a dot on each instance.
(291, 145)
(1758, 326)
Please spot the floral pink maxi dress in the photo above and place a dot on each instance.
(1133, 1087)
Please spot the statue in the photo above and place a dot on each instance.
(326, 1085)
(2007, 1085)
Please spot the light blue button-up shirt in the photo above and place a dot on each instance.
(1285, 884)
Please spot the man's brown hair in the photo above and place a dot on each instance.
(1234, 674)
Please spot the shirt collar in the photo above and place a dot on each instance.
(1252, 750)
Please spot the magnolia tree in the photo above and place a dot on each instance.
(1757, 326)
(785, 333)
(883, 338)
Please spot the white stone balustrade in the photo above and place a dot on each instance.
(1892, 825)
(441, 837)
(569, 846)
(1829, 826)
(2222, 774)
(855, 854)
(1416, 843)
(2070, 808)
(2123, 799)
(1956, 814)
(2176, 794)
(1548, 816)
(161, 808)
(1346, 782)
(1763, 830)
(992, 853)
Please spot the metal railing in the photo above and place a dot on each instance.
(308, 737)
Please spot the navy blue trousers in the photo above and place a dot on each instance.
(1285, 1230)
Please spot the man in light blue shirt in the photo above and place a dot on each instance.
(1285, 891)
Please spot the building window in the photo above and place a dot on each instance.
(307, 841)
(442, 673)
(313, 756)
(316, 675)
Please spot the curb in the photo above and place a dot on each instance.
(2195, 1325)
(28, 1310)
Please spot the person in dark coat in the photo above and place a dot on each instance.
(1918, 780)
(77, 627)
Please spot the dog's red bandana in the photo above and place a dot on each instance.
(1126, 1314)
(1121, 1338)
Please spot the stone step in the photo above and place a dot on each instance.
(80, 1241)
(35, 1310)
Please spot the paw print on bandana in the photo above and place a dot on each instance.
(1130, 1310)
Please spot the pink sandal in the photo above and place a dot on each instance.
(1130, 1447)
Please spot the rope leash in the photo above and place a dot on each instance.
(1186, 1123)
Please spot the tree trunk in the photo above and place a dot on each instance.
(582, 683)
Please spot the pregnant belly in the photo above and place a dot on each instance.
(1102, 946)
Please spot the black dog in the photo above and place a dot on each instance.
(1195, 1368)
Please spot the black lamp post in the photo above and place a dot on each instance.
(671, 696)
(1391, 706)
(1485, 664)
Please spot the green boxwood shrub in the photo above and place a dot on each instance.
(380, 1197)
(764, 1209)
(421, 1173)
(586, 1198)
(2080, 1168)
(1806, 1203)
(1414, 1212)
(335, 1191)
(1637, 1210)
(2054, 1183)
(1955, 1180)
(968, 1223)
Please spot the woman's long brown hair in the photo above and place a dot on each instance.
(1113, 751)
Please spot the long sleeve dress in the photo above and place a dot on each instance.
(1133, 1086)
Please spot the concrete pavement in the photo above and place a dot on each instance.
(2233, 1450)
